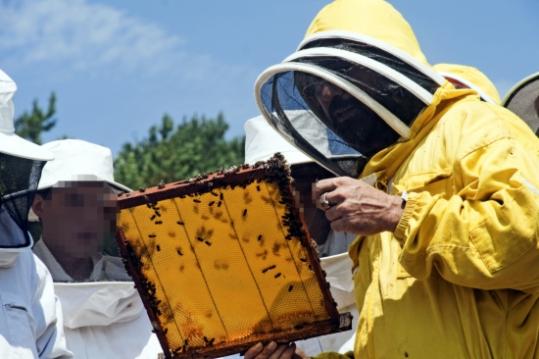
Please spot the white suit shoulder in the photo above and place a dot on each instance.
(29, 325)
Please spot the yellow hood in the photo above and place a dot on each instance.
(472, 77)
(373, 18)
(409, 102)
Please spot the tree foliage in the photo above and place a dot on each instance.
(31, 125)
(172, 152)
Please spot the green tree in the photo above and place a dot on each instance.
(172, 152)
(31, 125)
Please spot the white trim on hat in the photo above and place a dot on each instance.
(14, 145)
(404, 56)
(387, 116)
(395, 76)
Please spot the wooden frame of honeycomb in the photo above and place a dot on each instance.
(224, 261)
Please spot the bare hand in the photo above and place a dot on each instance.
(353, 206)
(273, 351)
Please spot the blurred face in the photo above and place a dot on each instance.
(76, 218)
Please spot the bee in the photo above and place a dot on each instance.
(208, 342)
(244, 214)
(277, 275)
(273, 266)
(180, 223)
(290, 287)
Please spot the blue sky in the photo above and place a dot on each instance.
(118, 65)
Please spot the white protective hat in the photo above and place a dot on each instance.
(10, 143)
(77, 160)
(262, 142)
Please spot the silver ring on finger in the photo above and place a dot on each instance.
(323, 201)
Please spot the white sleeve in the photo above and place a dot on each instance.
(50, 338)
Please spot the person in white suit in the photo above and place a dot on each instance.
(30, 315)
(103, 314)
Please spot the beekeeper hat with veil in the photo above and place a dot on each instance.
(21, 162)
(348, 92)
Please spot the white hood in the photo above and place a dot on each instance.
(106, 320)
(338, 270)
(10, 143)
(262, 142)
(98, 303)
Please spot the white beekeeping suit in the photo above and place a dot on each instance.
(261, 142)
(103, 314)
(30, 314)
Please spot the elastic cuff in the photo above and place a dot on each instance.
(404, 224)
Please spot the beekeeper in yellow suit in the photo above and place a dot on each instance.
(446, 259)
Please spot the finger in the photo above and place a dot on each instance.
(277, 354)
(322, 186)
(268, 350)
(253, 351)
(336, 196)
(335, 212)
(289, 352)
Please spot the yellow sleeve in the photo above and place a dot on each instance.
(485, 235)
(331, 355)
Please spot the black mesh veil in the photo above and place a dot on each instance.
(293, 118)
(19, 178)
(341, 133)
(524, 101)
